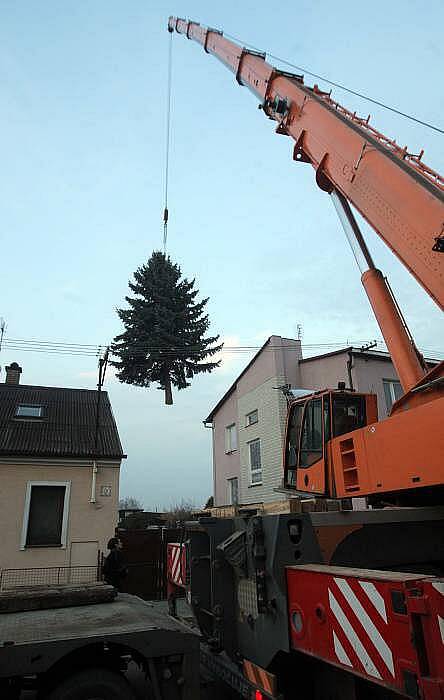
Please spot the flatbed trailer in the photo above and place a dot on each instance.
(82, 651)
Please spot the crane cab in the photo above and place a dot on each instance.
(312, 422)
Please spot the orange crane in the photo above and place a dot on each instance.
(335, 446)
(327, 602)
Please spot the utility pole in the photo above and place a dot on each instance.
(2, 332)
(103, 363)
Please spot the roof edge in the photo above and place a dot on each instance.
(232, 388)
(49, 388)
(229, 391)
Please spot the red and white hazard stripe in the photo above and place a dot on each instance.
(359, 627)
(176, 564)
(363, 621)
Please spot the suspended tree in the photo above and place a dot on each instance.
(164, 338)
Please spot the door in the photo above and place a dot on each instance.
(304, 458)
(84, 556)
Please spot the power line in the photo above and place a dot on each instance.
(50, 351)
(99, 346)
(92, 350)
(339, 85)
(95, 350)
(55, 342)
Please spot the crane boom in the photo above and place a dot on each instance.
(399, 196)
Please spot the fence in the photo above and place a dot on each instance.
(48, 576)
(145, 552)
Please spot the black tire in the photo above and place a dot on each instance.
(93, 684)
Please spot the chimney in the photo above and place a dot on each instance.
(13, 373)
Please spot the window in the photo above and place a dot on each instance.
(294, 434)
(392, 391)
(348, 413)
(311, 441)
(251, 418)
(255, 462)
(327, 421)
(230, 438)
(233, 491)
(27, 411)
(46, 514)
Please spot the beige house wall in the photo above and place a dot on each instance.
(89, 525)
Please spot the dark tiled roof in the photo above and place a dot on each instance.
(66, 428)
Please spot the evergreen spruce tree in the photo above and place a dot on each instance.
(164, 338)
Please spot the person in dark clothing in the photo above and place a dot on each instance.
(114, 567)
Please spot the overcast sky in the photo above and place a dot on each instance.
(82, 110)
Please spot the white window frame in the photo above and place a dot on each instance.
(247, 418)
(391, 384)
(256, 469)
(229, 431)
(64, 533)
(28, 405)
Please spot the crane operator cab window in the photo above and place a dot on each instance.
(311, 439)
(348, 413)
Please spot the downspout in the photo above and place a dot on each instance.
(211, 425)
(96, 439)
(349, 369)
(93, 482)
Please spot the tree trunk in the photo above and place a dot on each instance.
(168, 391)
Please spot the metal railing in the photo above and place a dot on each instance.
(48, 576)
